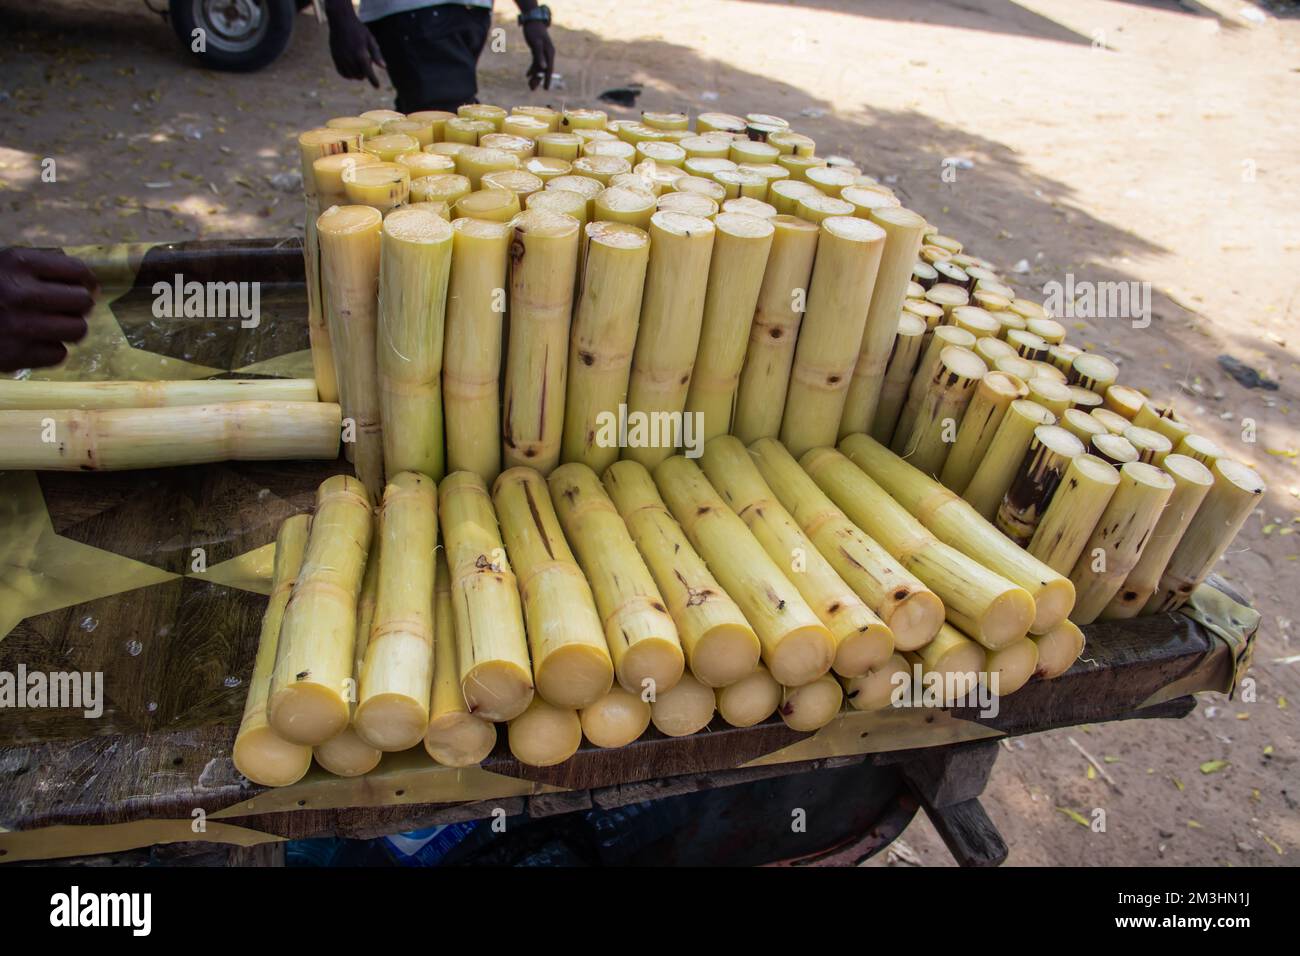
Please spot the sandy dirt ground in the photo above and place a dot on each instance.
(1146, 141)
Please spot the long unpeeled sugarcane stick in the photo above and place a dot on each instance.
(843, 277)
(571, 663)
(1192, 482)
(544, 259)
(765, 375)
(902, 229)
(415, 263)
(958, 659)
(495, 674)
(471, 361)
(911, 610)
(685, 709)
(260, 754)
(945, 336)
(953, 521)
(1075, 509)
(812, 706)
(454, 737)
(29, 393)
(979, 601)
(874, 690)
(720, 645)
(393, 698)
(740, 251)
(639, 631)
(1058, 649)
(1237, 489)
(797, 647)
(942, 409)
(119, 439)
(862, 639)
(603, 337)
(1116, 543)
(998, 468)
(318, 333)
(350, 248)
(750, 700)
(312, 681)
(544, 735)
(904, 355)
(616, 719)
(993, 396)
(1008, 669)
(1036, 481)
(669, 334)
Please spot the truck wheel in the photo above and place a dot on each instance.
(239, 35)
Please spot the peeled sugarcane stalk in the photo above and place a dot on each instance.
(350, 247)
(976, 321)
(1052, 395)
(874, 690)
(32, 394)
(393, 698)
(1093, 371)
(812, 706)
(1124, 400)
(382, 186)
(318, 333)
(911, 610)
(685, 709)
(315, 143)
(954, 522)
(943, 337)
(120, 439)
(997, 469)
(312, 681)
(495, 673)
(844, 275)
(544, 735)
(750, 700)
(1116, 449)
(669, 333)
(639, 631)
(1008, 669)
(630, 206)
(797, 647)
(720, 645)
(616, 719)
(471, 362)
(327, 176)
(1113, 422)
(448, 188)
(981, 602)
(740, 251)
(415, 263)
(993, 396)
(1082, 425)
(1058, 649)
(765, 374)
(260, 754)
(904, 355)
(942, 408)
(571, 663)
(992, 350)
(490, 205)
(1237, 490)
(1163, 420)
(1039, 475)
(1152, 447)
(948, 297)
(1028, 345)
(1117, 542)
(454, 737)
(1203, 449)
(862, 639)
(544, 258)
(959, 660)
(1192, 482)
(603, 337)
(1074, 511)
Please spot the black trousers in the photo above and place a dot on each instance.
(432, 54)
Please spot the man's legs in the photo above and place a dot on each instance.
(432, 54)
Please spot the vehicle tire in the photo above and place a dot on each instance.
(239, 35)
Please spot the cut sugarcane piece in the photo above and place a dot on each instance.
(382, 186)
(874, 690)
(765, 375)
(1022, 369)
(424, 165)
(495, 673)
(685, 709)
(812, 706)
(1093, 371)
(523, 184)
(315, 143)
(976, 321)
(567, 202)
(751, 699)
(948, 297)
(941, 338)
(521, 147)
(358, 126)
(615, 719)
(542, 114)
(1114, 422)
(958, 660)
(490, 205)
(1009, 668)
(899, 371)
(1062, 356)
(421, 130)
(865, 202)
(547, 168)
(483, 112)
(571, 663)
(740, 252)
(630, 206)
(1163, 420)
(926, 276)
(259, 753)
(559, 145)
(724, 122)
(943, 405)
(720, 645)
(449, 188)
(466, 131)
(814, 207)
(668, 336)
(1068, 522)
(471, 364)
(797, 647)
(1058, 649)
(436, 119)
(1028, 345)
(1236, 492)
(382, 116)
(1049, 330)
(1152, 447)
(1124, 400)
(326, 387)
(1039, 475)
(1083, 399)
(1052, 395)
(1115, 449)
(1203, 449)
(993, 396)
(639, 631)
(454, 737)
(981, 602)
(388, 146)
(1082, 425)
(749, 207)
(327, 177)
(312, 682)
(784, 195)
(393, 697)
(1117, 542)
(998, 467)
(544, 735)
(602, 168)
(689, 204)
(954, 522)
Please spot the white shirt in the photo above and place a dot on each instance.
(372, 10)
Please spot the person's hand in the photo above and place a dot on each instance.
(44, 297)
(352, 45)
(538, 38)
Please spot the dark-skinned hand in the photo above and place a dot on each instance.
(44, 298)
(538, 38)
(353, 46)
